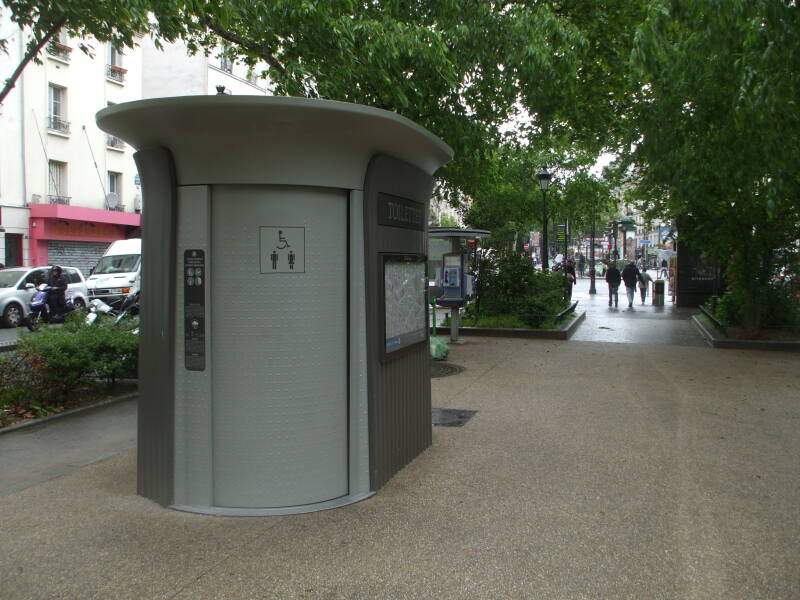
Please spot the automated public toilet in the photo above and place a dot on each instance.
(284, 357)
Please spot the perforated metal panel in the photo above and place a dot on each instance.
(280, 339)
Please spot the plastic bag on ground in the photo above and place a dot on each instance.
(439, 348)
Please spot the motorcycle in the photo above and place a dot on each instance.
(40, 311)
(129, 309)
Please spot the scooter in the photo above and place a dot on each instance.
(40, 311)
(128, 308)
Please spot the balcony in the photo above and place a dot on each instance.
(58, 125)
(59, 51)
(53, 199)
(116, 73)
(114, 143)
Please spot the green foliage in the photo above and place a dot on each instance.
(508, 285)
(778, 306)
(56, 361)
(715, 133)
(448, 221)
(461, 69)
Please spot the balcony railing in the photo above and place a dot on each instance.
(114, 142)
(55, 123)
(58, 199)
(116, 73)
(120, 207)
(59, 50)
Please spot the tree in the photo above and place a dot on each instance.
(460, 69)
(586, 199)
(716, 132)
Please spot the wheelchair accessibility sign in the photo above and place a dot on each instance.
(283, 249)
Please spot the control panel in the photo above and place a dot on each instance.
(194, 309)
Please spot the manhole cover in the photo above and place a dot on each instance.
(444, 369)
(450, 417)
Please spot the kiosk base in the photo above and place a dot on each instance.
(274, 512)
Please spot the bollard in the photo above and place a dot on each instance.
(658, 292)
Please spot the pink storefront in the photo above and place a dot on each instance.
(75, 236)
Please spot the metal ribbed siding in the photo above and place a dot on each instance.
(403, 414)
(399, 389)
(156, 428)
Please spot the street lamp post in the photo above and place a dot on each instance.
(592, 289)
(544, 183)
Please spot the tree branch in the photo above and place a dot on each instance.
(239, 41)
(29, 56)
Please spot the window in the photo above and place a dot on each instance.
(114, 197)
(37, 278)
(59, 46)
(57, 184)
(57, 101)
(225, 63)
(57, 109)
(114, 70)
(72, 276)
(114, 182)
(114, 56)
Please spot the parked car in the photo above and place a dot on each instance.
(15, 297)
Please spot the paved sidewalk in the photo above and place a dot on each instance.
(578, 484)
(42, 452)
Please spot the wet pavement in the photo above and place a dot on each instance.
(640, 324)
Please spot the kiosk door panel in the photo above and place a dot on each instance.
(279, 315)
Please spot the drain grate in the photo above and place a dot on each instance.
(444, 369)
(451, 417)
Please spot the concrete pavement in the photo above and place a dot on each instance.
(592, 470)
(42, 452)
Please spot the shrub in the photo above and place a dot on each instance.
(509, 285)
(779, 307)
(58, 360)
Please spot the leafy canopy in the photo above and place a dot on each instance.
(716, 131)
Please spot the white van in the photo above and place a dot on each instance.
(117, 272)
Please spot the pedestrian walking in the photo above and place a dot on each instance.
(630, 275)
(663, 274)
(644, 282)
(569, 279)
(613, 279)
(581, 264)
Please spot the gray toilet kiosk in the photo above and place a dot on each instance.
(284, 363)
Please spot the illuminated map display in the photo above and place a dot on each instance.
(404, 293)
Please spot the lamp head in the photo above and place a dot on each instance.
(544, 179)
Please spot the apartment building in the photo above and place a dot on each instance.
(67, 189)
(172, 72)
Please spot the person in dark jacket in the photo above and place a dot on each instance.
(569, 280)
(613, 279)
(57, 297)
(630, 275)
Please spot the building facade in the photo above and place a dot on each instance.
(67, 189)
